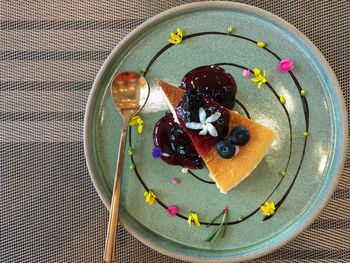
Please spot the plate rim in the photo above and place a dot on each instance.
(233, 5)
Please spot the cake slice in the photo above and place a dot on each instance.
(227, 173)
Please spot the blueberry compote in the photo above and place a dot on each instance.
(211, 88)
(173, 141)
(188, 112)
(213, 82)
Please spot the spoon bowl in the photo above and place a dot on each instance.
(130, 92)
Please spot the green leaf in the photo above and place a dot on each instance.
(224, 221)
(213, 220)
(215, 235)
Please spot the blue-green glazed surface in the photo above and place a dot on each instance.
(324, 151)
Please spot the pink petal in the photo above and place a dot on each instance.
(172, 210)
(246, 73)
(285, 65)
(174, 180)
(286, 60)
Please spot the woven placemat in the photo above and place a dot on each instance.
(50, 53)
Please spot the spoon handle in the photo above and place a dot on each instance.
(114, 211)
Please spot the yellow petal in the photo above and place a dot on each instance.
(133, 122)
(139, 120)
(263, 80)
(264, 73)
(148, 196)
(172, 35)
(151, 200)
(179, 37)
(189, 220)
(145, 193)
(273, 206)
(255, 79)
(197, 222)
(256, 71)
(195, 219)
(179, 32)
(259, 85)
(139, 128)
(263, 208)
(172, 41)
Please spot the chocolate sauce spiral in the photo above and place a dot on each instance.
(306, 115)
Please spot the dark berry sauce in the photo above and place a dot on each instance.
(209, 87)
(173, 140)
(213, 82)
(205, 143)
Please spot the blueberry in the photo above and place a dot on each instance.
(226, 149)
(225, 96)
(240, 136)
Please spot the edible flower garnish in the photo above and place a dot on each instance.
(285, 65)
(184, 170)
(192, 217)
(283, 100)
(302, 92)
(176, 38)
(150, 197)
(213, 237)
(175, 180)
(246, 73)
(172, 210)
(137, 120)
(261, 44)
(229, 30)
(258, 77)
(157, 152)
(205, 123)
(268, 208)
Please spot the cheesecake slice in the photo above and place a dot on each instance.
(227, 173)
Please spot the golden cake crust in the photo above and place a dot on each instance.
(227, 173)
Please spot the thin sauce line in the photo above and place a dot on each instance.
(305, 109)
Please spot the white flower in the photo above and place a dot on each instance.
(205, 123)
(184, 170)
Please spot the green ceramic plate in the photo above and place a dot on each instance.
(324, 147)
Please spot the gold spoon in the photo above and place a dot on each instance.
(129, 92)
